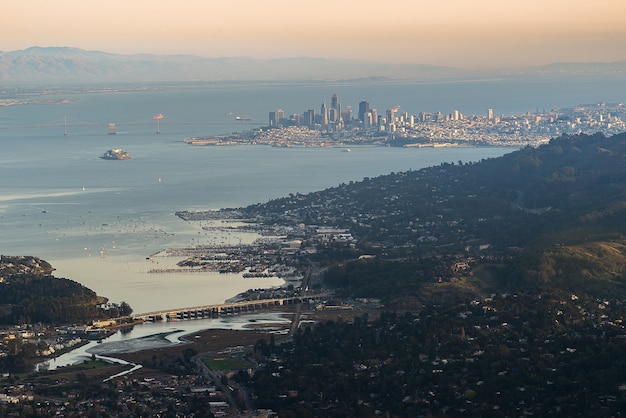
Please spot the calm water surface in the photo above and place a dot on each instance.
(96, 221)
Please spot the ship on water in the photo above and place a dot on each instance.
(116, 154)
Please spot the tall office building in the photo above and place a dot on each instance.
(333, 115)
(490, 114)
(296, 119)
(308, 118)
(334, 105)
(391, 115)
(334, 111)
(364, 107)
(375, 117)
(367, 120)
(324, 115)
(273, 120)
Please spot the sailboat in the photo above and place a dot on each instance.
(65, 126)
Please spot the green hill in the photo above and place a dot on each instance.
(513, 270)
(530, 218)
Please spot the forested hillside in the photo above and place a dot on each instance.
(30, 294)
(469, 228)
(504, 283)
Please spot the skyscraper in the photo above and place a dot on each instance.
(346, 115)
(308, 118)
(273, 120)
(334, 114)
(324, 114)
(334, 102)
(364, 107)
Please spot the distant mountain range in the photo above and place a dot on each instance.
(43, 65)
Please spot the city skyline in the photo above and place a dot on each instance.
(488, 128)
(480, 34)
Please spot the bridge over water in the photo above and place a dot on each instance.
(214, 311)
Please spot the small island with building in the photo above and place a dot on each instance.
(116, 154)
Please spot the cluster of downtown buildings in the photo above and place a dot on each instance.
(437, 128)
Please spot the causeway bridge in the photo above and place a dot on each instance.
(214, 311)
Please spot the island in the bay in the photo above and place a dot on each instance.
(116, 154)
(491, 288)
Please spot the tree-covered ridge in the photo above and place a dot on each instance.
(499, 215)
(30, 294)
(580, 179)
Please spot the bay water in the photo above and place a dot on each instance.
(98, 222)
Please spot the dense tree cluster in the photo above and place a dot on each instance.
(520, 199)
(568, 193)
(30, 294)
(509, 355)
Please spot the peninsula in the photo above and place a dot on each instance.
(335, 126)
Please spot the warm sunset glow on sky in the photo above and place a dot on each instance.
(462, 33)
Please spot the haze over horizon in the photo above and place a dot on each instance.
(457, 33)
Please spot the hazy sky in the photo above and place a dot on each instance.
(462, 33)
